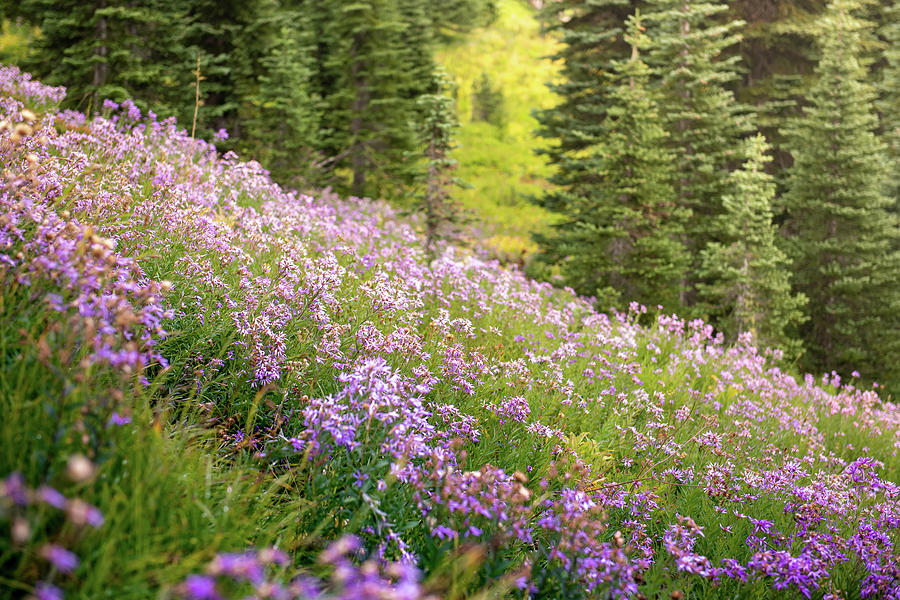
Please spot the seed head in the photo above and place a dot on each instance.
(21, 531)
(80, 468)
(23, 130)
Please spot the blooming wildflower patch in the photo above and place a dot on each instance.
(432, 409)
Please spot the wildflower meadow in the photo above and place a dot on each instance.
(212, 387)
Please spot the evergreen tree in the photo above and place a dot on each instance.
(455, 17)
(439, 124)
(889, 102)
(751, 288)
(590, 35)
(843, 238)
(705, 123)
(280, 116)
(369, 117)
(620, 240)
(221, 34)
(417, 42)
(107, 49)
(778, 55)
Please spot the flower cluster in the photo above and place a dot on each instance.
(16, 84)
(229, 575)
(451, 379)
(24, 508)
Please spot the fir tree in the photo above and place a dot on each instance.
(590, 35)
(369, 117)
(889, 101)
(843, 238)
(751, 288)
(455, 17)
(779, 54)
(439, 125)
(106, 49)
(706, 125)
(279, 114)
(417, 42)
(620, 240)
(220, 33)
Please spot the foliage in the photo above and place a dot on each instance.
(589, 43)
(296, 372)
(843, 239)
(622, 238)
(706, 125)
(751, 289)
(439, 119)
(279, 116)
(112, 50)
(889, 98)
(487, 102)
(500, 164)
(454, 17)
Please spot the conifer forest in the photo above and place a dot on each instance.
(458, 299)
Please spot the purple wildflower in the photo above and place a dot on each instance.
(47, 591)
(59, 557)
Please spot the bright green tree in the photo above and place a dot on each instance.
(843, 239)
(750, 274)
(621, 237)
(488, 102)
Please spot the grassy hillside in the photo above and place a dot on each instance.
(499, 162)
(213, 388)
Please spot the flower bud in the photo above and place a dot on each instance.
(21, 531)
(79, 468)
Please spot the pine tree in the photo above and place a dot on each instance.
(106, 49)
(417, 43)
(590, 36)
(843, 238)
(439, 125)
(456, 17)
(751, 289)
(705, 123)
(620, 240)
(369, 118)
(221, 34)
(279, 114)
(779, 54)
(889, 101)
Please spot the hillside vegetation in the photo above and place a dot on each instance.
(729, 161)
(498, 160)
(212, 388)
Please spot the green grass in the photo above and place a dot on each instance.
(500, 163)
(176, 488)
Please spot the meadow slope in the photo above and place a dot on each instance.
(215, 388)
